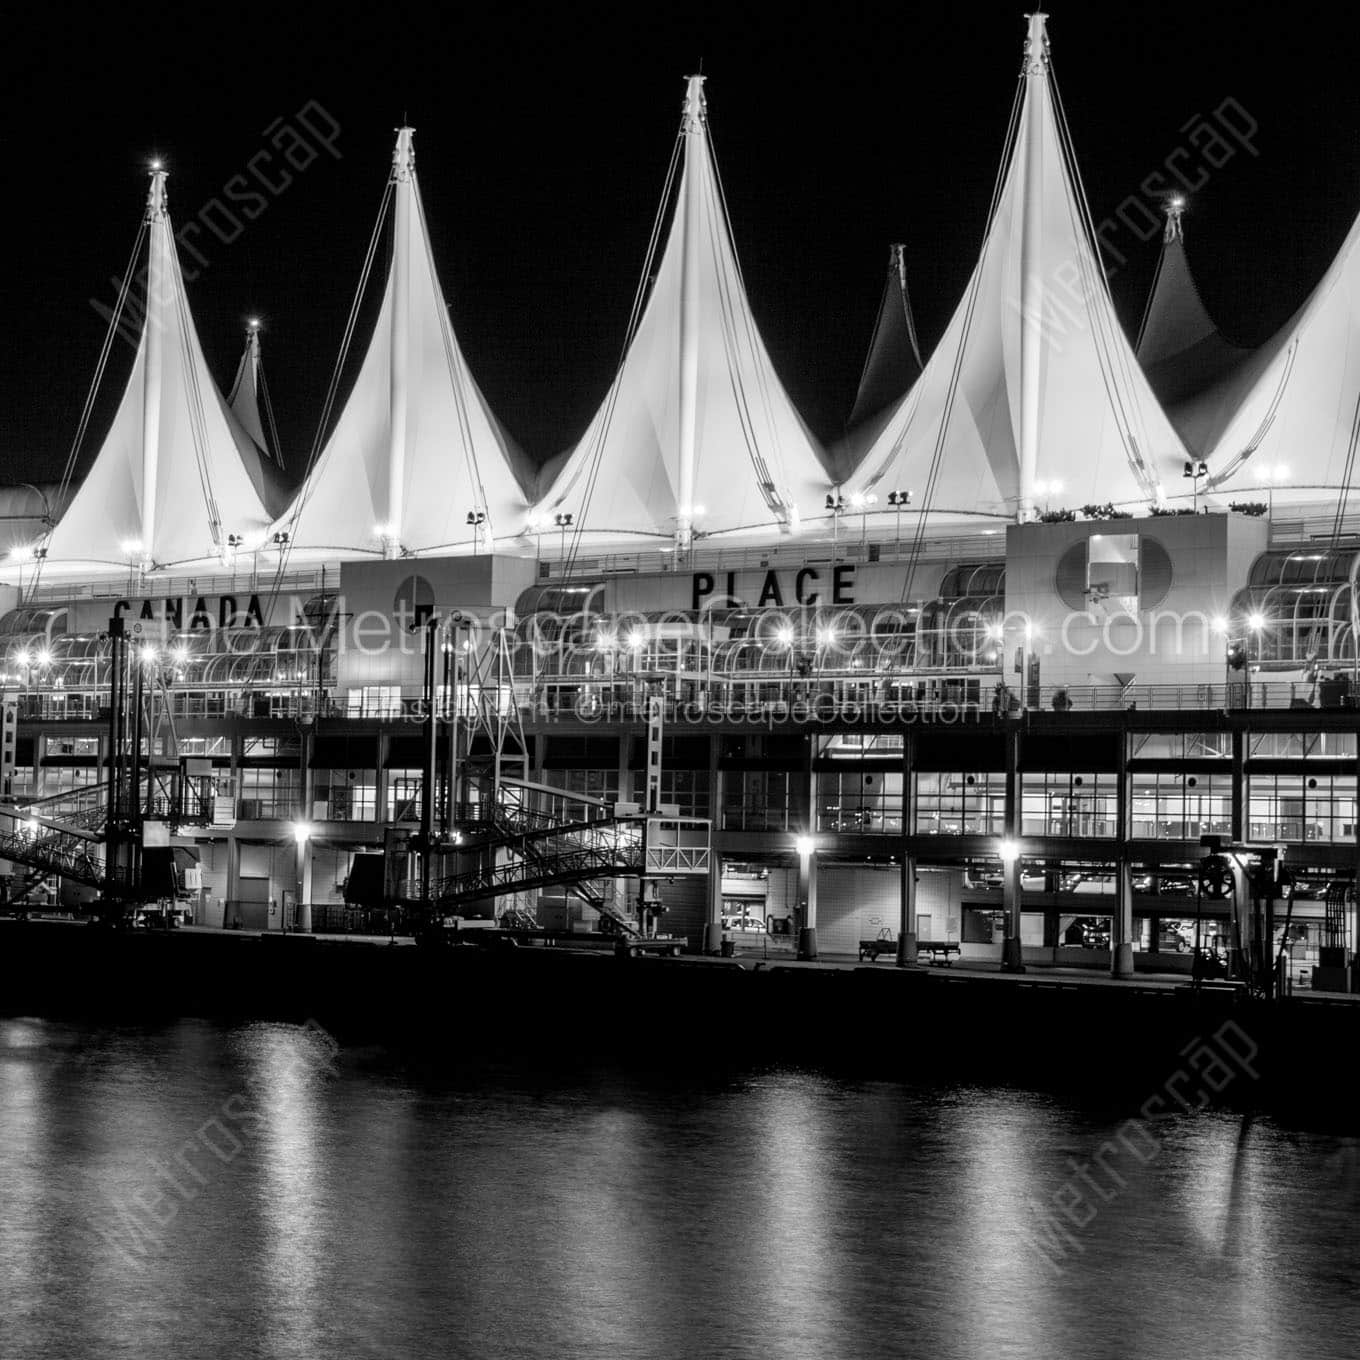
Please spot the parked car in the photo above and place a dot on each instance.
(1175, 937)
(748, 920)
(1087, 932)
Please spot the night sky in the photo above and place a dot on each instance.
(542, 142)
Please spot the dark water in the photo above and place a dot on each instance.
(197, 1190)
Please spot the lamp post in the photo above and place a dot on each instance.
(1256, 621)
(475, 519)
(806, 846)
(564, 523)
(302, 833)
(836, 505)
(1012, 953)
(1195, 470)
(899, 500)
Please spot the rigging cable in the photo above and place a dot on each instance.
(956, 372)
(590, 465)
(459, 375)
(307, 485)
(1113, 355)
(115, 319)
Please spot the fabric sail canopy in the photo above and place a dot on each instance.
(696, 436)
(891, 367)
(170, 484)
(245, 395)
(248, 400)
(1032, 400)
(416, 462)
(1293, 409)
(1182, 351)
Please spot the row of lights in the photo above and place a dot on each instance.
(132, 547)
(148, 653)
(862, 500)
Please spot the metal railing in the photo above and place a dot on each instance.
(249, 575)
(981, 544)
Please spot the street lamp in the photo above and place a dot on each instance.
(1256, 621)
(1012, 953)
(564, 522)
(899, 500)
(302, 833)
(475, 519)
(835, 504)
(1195, 470)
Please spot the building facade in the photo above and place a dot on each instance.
(1024, 735)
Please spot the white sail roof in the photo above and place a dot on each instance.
(1297, 401)
(245, 395)
(169, 486)
(249, 403)
(1032, 398)
(696, 436)
(416, 456)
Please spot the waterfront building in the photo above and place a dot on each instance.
(998, 706)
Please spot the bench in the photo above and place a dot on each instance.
(939, 950)
(871, 949)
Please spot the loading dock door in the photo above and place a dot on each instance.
(254, 904)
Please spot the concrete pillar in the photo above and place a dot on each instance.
(233, 878)
(807, 900)
(1012, 955)
(906, 921)
(1239, 784)
(713, 931)
(381, 811)
(304, 912)
(713, 921)
(1121, 923)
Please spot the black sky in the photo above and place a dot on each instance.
(543, 135)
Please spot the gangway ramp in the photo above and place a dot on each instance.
(63, 834)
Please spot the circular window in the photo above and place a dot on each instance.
(414, 598)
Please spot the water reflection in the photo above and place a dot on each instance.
(213, 1192)
(282, 1099)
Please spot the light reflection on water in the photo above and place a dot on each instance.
(206, 1191)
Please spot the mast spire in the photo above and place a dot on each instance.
(403, 179)
(694, 128)
(1035, 76)
(157, 275)
(1174, 208)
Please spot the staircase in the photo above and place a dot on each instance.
(514, 815)
(61, 835)
(555, 855)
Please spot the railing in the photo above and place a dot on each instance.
(795, 551)
(73, 854)
(867, 695)
(561, 865)
(58, 590)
